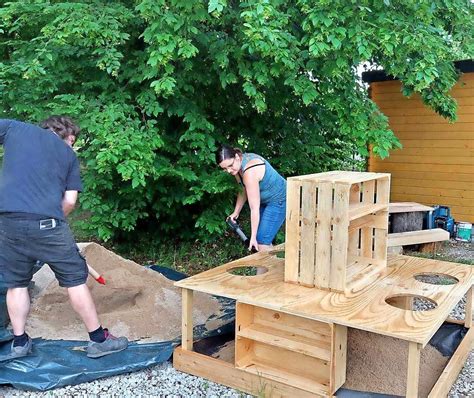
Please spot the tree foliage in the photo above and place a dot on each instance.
(157, 84)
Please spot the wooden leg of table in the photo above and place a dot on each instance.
(468, 316)
(187, 320)
(413, 374)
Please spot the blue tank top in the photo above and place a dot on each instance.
(272, 185)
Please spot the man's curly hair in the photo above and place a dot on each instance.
(62, 126)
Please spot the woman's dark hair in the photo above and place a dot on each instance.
(226, 152)
(63, 126)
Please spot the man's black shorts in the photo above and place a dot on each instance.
(24, 241)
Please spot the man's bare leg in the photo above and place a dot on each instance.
(18, 303)
(83, 304)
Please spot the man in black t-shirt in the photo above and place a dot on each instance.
(39, 185)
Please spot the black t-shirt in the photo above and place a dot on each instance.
(38, 167)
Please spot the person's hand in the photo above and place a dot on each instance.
(253, 243)
(234, 216)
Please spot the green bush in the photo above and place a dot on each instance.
(156, 85)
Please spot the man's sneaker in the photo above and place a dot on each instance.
(110, 345)
(18, 351)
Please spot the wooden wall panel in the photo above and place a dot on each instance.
(436, 163)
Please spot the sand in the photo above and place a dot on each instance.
(378, 363)
(136, 302)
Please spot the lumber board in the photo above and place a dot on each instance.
(365, 309)
(413, 372)
(340, 241)
(322, 270)
(447, 184)
(416, 143)
(367, 232)
(292, 230)
(407, 207)
(308, 233)
(468, 311)
(407, 103)
(454, 366)
(417, 167)
(417, 237)
(187, 319)
(225, 373)
(400, 157)
(339, 359)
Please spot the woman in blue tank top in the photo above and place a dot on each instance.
(263, 188)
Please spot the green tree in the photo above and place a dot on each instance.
(156, 85)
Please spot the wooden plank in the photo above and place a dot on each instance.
(292, 364)
(415, 143)
(354, 198)
(465, 161)
(454, 366)
(468, 312)
(429, 178)
(434, 130)
(435, 191)
(380, 234)
(340, 238)
(368, 198)
(417, 237)
(430, 152)
(407, 103)
(416, 167)
(406, 207)
(187, 319)
(421, 119)
(415, 97)
(292, 231)
(464, 203)
(424, 111)
(358, 211)
(413, 374)
(290, 341)
(262, 369)
(307, 328)
(377, 220)
(308, 238)
(225, 373)
(323, 237)
(450, 184)
(339, 359)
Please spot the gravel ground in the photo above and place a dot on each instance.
(164, 381)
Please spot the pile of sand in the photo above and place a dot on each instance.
(136, 302)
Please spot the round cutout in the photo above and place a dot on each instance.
(247, 270)
(411, 302)
(280, 254)
(434, 278)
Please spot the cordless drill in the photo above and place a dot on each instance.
(234, 225)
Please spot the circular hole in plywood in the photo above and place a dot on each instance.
(280, 254)
(434, 278)
(411, 302)
(247, 270)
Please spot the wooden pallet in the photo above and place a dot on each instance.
(335, 221)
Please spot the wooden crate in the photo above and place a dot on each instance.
(336, 229)
(299, 352)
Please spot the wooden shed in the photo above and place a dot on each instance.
(436, 163)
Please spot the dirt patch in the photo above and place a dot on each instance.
(378, 364)
(136, 302)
